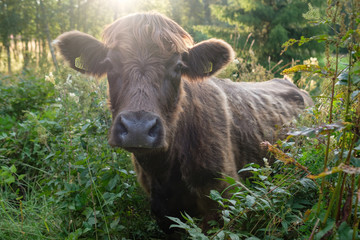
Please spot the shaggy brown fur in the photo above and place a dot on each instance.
(205, 127)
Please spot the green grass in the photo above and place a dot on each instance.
(31, 218)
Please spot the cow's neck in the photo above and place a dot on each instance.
(155, 164)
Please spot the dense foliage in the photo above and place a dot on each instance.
(27, 27)
(57, 169)
(265, 25)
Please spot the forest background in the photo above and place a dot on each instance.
(28, 27)
(60, 180)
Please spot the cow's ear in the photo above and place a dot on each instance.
(83, 52)
(206, 58)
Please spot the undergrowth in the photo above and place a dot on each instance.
(268, 205)
(59, 179)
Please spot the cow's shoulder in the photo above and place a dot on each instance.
(282, 81)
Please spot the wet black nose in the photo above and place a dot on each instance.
(137, 130)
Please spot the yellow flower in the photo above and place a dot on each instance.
(314, 61)
(307, 63)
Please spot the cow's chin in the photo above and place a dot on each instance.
(143, 151)
(140, 150)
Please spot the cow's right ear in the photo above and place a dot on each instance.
(83, 52)
(207, 58)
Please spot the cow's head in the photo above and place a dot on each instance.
(146, 58)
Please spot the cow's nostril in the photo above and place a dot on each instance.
(121, 127)
(154, 130)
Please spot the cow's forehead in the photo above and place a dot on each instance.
(120, 56)
(151, 32)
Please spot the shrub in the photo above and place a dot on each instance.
(59, 147)
(26, 93)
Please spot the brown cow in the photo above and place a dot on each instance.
(185, 128)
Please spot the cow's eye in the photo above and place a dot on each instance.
(107, 64)
(179, 67)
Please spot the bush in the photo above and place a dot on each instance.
(58, 145)
(268, 205)
(24, 94)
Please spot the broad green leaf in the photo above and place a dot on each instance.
(250, 200)
(10, 179)
(345, 231)
(249, 169)
(13, 169)
(233, 236)
(179, 224)
(220, 235)
(113, 182)
(114, 223)
(354, 94)
(215, 195)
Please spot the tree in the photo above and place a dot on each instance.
(9, 25)
(47, 33)
(270, 23)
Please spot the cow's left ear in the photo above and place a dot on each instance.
(83, 52)
(206, 58)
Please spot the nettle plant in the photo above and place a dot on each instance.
(336, 121)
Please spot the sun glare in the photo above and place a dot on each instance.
(124, 7)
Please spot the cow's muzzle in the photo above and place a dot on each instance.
(137, 130)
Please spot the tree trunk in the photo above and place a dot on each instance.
(47, 34)
(7, 46)
(38, 51)
(26, 53)
(15, 49)
(32, 46)
(38, 34)
(43, 51)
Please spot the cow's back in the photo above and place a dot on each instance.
(258, 112)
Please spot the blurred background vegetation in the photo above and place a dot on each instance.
(27, 27)
(59, 179)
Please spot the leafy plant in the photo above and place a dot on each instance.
(269, 205)
(338, 217)
(58, 152)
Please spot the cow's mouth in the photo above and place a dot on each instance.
(138, 149)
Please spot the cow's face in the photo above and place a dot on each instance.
(145, 94)
(145, 83)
